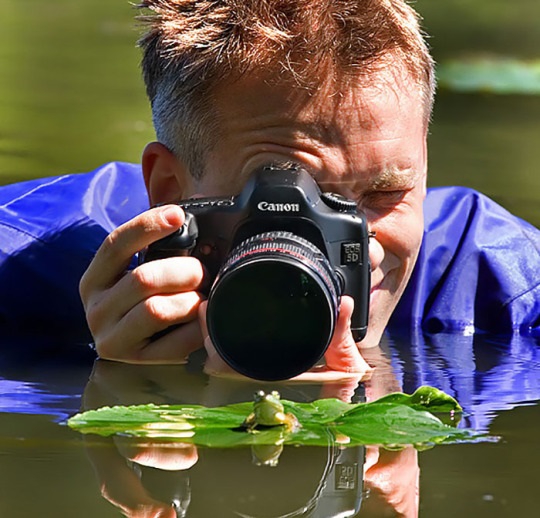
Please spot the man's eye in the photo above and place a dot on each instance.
(382, 199)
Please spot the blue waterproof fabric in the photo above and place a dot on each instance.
(49, 231)
(478, 269)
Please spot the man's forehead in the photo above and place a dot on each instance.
(331, 94)
(370, 135)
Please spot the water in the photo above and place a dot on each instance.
(47, 468)
(70, 100)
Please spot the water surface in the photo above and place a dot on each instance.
(45, 464)
(71, 96)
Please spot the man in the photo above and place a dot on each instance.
(342, 88)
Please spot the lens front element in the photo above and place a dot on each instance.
(273, 307)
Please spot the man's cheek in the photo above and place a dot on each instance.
(406, 235)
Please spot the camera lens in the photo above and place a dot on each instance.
(273, 307)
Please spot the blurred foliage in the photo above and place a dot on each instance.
(71, 96)
(461, 28)
(486, 47)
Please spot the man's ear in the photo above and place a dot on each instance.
(165, 176)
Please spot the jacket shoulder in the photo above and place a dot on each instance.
(477, 269)
(49, 231)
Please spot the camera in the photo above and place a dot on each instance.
(280, 254)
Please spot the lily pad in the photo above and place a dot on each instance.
(393, 421)
(492, 75)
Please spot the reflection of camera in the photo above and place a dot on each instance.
(308, 482)
(281, 253)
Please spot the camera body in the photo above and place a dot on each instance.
(279, 210)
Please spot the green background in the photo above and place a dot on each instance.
(71, 97)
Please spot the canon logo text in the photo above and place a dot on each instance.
(266, 206)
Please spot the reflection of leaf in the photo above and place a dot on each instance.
(500, 76)
(397, 419)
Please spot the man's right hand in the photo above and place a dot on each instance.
(126, 309)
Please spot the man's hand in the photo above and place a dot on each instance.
(125, 309)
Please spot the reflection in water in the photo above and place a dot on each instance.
(487, 376)
(42, 376)
(311, 482)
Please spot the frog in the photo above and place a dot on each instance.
(268, 411)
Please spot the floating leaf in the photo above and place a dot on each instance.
(493, 75)
(394, 421)
(424, 398)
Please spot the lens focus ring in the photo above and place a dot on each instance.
(284, 243)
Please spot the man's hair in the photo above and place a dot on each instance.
(193, 46)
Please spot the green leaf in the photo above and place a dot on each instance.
(402, 425)
(492, 75)
(424, 398)
(393, 421)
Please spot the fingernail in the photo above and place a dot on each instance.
(172, 215)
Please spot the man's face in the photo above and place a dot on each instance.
(370, 146)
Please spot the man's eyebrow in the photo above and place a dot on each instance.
(392, 177)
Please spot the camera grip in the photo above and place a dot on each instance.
(358, 333)
(360, 293)
(179, 243)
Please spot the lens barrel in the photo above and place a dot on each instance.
(273, 306)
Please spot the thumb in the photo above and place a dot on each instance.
(342, 353)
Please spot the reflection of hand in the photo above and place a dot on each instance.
(119, 482)
(391, 476)
(125, 309)
(392, 480)
(115, 383)
(167, 456)
(116, 460)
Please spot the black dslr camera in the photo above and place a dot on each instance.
(281, 254)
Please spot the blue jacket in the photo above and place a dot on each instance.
(478, 268)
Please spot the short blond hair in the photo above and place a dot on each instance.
(192, 46)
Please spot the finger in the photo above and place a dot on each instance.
(167, 456)
(342, 353)
(116, 252)
(161, 277)
(134, 333)
(174, 347)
